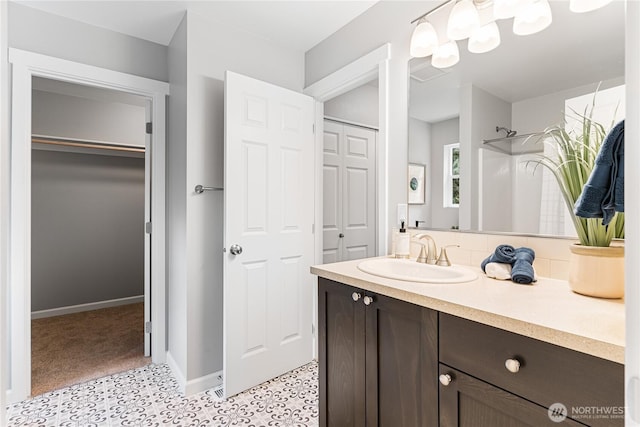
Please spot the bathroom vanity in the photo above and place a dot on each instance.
(479, 353)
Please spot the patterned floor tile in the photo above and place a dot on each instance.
(149, 396)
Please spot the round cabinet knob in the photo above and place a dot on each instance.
(367, 300)
(341, 235)
(356, 296)
(235, 249)
(512, 365)
(445, 379)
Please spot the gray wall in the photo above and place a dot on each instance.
(359, 105)
(177, 198)
(36, 31)
(4, 202)
(385, 22)
(442, 133)
(211, 49)
(87, 228)
(87, 209)
(420, 152)
(64, 116)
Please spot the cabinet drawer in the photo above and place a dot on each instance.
(547, 373)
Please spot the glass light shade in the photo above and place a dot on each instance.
(485, 38)
(446, 55)
(424, 40)
(580, 6)
(505, 9)
(463, 20)
(533, 17)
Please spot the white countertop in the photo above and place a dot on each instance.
(547, 310)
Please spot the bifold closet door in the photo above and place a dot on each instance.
(349, 192)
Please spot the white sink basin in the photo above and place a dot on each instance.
(412, 271)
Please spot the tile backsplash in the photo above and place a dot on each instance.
(552, 254)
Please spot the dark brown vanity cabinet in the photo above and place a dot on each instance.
(498, 378)
(386, 362)
(468, 402)
(377, 358)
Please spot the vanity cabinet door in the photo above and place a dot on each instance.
(377, 360)
(466, 401)
(401, 363)
(341, 355)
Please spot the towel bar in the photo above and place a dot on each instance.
(201, 189)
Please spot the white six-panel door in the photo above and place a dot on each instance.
(269, 212)
(349, 192)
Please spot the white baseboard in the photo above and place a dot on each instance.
(195, 385)
(85, 307)
(177, 372)
(200, 384)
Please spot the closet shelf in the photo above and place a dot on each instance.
(40, 139)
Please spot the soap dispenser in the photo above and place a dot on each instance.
(403, 242)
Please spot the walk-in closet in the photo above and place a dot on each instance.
(87, 233)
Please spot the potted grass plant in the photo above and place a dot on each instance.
(596, 266)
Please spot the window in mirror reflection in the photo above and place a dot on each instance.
(451, 179)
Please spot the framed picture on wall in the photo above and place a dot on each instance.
(416, 184)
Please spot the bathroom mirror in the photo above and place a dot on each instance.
(521, 86)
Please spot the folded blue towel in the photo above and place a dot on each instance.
(522, 268)
(503, 253)
(603, 194)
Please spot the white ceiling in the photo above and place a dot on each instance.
(294, 24)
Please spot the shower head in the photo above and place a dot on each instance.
(509, 132)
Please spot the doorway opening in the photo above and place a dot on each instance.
(350, 136)
(26, 66)
(88, 185)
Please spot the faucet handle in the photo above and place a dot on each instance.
(443, 259)
(423, 254)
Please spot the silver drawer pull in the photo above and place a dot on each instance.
(367, 300)
(445, 379)
(356, 296)
(512, 365)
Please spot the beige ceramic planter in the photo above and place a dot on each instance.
(596, 271)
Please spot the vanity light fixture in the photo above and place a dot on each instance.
(463, 20)
(580, 6)
(505, 9)
(484, 38)
(476, 20)
(446, 55)
(424, 40)
(533, 17)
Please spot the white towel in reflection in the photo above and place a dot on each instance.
(500, 271)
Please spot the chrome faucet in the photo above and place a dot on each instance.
(430, 256)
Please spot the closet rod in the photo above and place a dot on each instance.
(101, 146)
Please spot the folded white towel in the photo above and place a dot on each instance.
(498, 270)
(501, 271)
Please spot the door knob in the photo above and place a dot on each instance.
(341, 235)
(235, 249)
(445, 379)
(356, 296)
(367, 300)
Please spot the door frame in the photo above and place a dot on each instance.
(25, 66)
(341, 81)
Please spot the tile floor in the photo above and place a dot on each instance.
(148, 396)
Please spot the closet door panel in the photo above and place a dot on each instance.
(332, 193)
